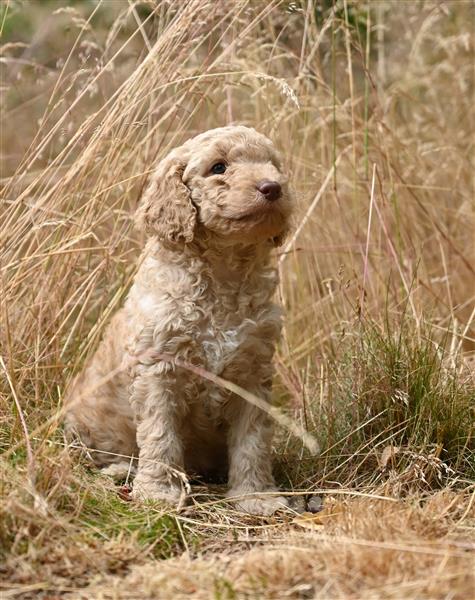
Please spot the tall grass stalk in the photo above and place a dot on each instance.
(376, 360)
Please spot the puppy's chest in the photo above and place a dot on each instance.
(217, 345)
(238, 339)
(210, 324)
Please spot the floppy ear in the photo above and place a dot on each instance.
(165, 208)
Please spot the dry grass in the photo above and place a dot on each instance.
(373, 106)
(371, 548)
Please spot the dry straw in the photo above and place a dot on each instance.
(373, 110)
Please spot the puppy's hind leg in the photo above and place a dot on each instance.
(121, 470)
(102, 426)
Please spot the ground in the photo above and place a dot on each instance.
(372, 106)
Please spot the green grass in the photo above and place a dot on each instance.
(89, 510)
(106, 516)
(389, 385)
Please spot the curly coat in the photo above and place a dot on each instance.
(202, 293)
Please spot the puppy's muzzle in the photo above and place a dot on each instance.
(271, 190)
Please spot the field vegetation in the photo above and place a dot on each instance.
(372, 105)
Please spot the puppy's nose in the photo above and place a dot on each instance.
(270, 189)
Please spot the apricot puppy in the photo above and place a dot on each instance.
(213, 210)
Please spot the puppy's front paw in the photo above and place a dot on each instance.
(259, 505)
(157, 491)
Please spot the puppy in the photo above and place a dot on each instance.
(213, 210)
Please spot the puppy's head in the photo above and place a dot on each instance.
(227, 181)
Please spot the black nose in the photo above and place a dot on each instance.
(270, 189)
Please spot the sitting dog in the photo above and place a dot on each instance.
(213, 210)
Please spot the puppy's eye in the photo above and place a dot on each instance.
(218, 168)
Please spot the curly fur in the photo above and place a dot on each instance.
(203, 293)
